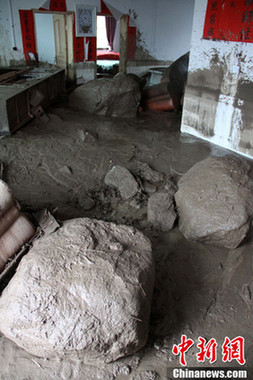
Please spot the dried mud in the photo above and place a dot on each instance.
(199, 290)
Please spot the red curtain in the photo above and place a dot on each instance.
(110, 23)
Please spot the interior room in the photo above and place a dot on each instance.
(126, 187)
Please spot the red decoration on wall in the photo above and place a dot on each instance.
(92, 52)
(131, 42)
(27, 29)
(104, 9)
(58, 5)
(78, 46)
(229, 20)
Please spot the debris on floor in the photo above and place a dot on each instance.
(86, 287)
(200, 290)
(215, 201)
(118, 96)
(167, 95)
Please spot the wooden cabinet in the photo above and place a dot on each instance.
(15, 97)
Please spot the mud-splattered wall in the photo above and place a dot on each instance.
(219, 94)
(163, 26)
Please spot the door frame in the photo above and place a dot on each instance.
(69, 18)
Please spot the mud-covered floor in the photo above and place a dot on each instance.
(200, 290)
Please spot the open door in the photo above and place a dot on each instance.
(69, 18)
(60, 36)
(54, 39)
(63, 34)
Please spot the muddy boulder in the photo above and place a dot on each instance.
(118, 96)
(215, 201)
(85, 288)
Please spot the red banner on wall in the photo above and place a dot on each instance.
(131, 42)
(92, 49)
(58, 5)
(104, 9)
(78, 45)
(27, 29)
(229, 20)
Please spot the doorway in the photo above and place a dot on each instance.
(108, 29)
(54, 39)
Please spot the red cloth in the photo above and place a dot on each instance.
(110, 23)
(106, 54)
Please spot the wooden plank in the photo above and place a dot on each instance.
(9, 76)
(70, 56)
(123, 43)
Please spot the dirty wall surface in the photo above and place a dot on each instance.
(157, 23)
(200, 290)
(218, 97)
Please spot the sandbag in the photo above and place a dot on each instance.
(9, 218)
(6, 197)
(14, 238)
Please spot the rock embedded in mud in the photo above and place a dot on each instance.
(146, 375)
(170, 186)
(121, 179)
(215, 201)
(161, 211)
(149, 174)
(85, 288)
(118, 96)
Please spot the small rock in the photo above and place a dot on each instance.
(135, 204)
(161, 212)
(121, 369)
(55, 118)
(149, 188)
(149, 174)
(87, 137)
(66, 170)
(146, 375)
(86, 203)
(170, 186)
(121, 179)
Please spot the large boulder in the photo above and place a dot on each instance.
(118, 96)
(85, 288)
(215, 201)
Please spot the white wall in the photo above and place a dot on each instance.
(164, 26)
(44, 25)
(8, 55)
(218, 100)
